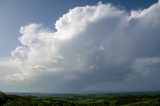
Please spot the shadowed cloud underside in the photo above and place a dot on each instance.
(98, 47)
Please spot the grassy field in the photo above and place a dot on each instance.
(98, 99)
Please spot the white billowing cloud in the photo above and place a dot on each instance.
(97, 47)
(20, 53)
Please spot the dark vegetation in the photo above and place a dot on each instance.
(99, 99)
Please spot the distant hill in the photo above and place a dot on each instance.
(91, 99)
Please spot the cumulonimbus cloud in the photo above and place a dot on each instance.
(97, 47)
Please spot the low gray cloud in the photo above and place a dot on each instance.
(97, 47)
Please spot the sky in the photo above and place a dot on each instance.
(79, 45)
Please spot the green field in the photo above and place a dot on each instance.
(98, 99)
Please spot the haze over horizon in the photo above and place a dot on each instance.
(78, 46)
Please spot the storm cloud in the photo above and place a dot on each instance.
(100, 47)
